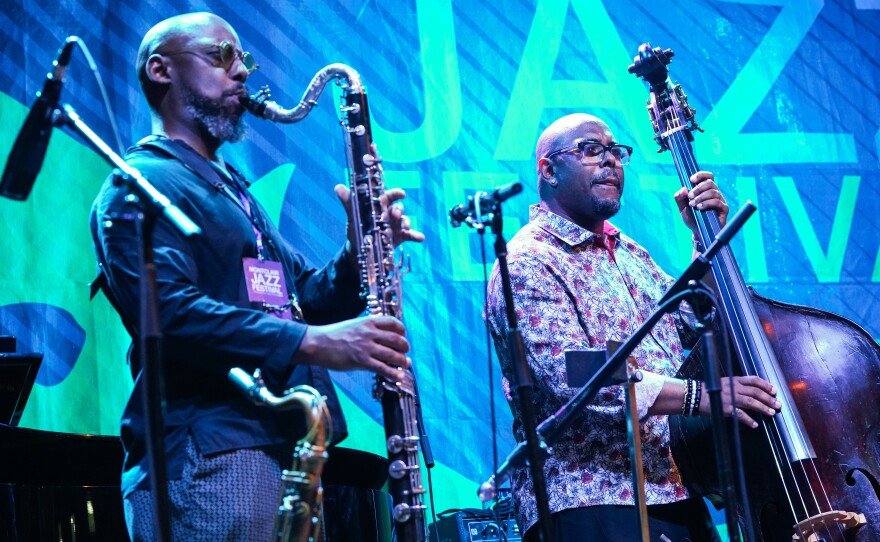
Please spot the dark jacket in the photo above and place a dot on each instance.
(207, 322)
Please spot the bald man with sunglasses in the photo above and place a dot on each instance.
(578, 282)
(224, 453)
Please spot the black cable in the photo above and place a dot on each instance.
(502, 519)
(433, 510)
(489, 360)
(104, 97)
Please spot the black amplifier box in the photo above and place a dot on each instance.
(461, 528)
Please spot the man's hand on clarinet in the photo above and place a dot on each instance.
(373, 343)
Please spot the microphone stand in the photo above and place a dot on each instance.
(150, 354)
(522, 381)
(699, 268)
(150, 204)
(703, 313)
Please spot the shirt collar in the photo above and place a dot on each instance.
(567, 231)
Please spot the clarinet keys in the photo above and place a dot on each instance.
(395, 443)
(397, 469)
(403, 511)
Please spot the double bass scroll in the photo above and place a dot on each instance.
(811, 471)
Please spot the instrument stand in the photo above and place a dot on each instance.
(523, 383)
(150, 204)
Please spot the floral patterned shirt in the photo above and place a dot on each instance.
(575, 290)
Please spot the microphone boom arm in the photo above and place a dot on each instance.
(137, 183)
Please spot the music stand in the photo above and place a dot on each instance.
(18, 372)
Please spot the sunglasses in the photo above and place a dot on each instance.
(222, 55)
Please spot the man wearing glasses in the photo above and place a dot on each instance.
(223, 452)
(578, 282)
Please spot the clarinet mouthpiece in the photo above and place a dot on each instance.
(256, 103)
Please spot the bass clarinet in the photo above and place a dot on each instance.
(381, 275)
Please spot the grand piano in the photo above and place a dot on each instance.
(65, 487)
(59, 486)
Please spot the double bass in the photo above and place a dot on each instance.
(811, 471)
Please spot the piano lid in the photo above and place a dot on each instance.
(32, 456)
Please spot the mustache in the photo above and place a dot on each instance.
(604, 175)
(238, 90)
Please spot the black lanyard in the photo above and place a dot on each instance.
(212, 174)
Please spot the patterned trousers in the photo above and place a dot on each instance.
(228, 497)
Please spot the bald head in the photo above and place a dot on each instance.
(173, 33)
(559, 134)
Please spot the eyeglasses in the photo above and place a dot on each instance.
(223, 56)
(594, 151)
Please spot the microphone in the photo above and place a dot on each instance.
(26, 158)
(484, 203)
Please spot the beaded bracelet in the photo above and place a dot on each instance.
(695, 411)
(688, 393)
(693, 395)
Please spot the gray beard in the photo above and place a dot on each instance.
(606, 208)
(214, 120)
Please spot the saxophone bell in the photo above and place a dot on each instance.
(299, 516)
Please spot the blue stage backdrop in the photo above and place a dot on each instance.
(786, 91)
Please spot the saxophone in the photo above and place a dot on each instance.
(380, 277)
(299, 517)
